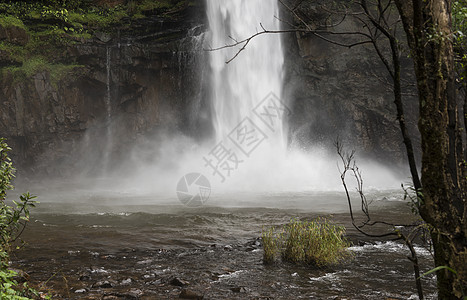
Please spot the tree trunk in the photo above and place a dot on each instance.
(428, 27)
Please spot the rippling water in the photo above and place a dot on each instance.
(139, 245)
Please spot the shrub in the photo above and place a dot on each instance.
(319, 243)
(13, 220)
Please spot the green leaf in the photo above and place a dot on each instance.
(437, 269)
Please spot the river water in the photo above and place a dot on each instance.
(133, 239)
(87, 246)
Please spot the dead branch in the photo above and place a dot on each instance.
(349, 165)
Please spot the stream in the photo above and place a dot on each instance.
(120, 247)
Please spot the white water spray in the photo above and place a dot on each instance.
(255, 70)
(237, 89)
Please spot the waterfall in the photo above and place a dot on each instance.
(248, 112)
(108, 108)
(241, 86)
(108, 95)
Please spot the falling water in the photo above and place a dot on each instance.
(108, 108)
(240, 85)
(108, 96)
(240, 91)
(243, 73)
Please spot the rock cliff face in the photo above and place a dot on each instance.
(346, 93)
(146, 81)
(127, 85)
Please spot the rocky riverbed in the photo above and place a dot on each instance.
(79, 251)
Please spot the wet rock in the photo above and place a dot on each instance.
(98, 270)
(189, 294)
(228, 248)
(74, 252)
(84, 277)
(155, 282)
(135, 293)
(103, 37)
(178, 282)
(253, 245)
(21, 276)
(144, 262)
(363, 243)
(126, 281)
(132, 294)
(239, 289)
(14, 35)
(80, 291)
(102, 284)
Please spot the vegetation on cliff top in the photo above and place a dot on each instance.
(50, 27)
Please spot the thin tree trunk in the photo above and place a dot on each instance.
(401, 117)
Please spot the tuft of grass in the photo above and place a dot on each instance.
(271, 247)
(151, 5)
(319, 243)
(10, 21)
(34, 65)
(15, 52)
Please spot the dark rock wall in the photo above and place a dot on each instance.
(345, 93)
(56, 127)
(156, 85)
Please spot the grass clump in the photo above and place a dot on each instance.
(34, 65)
(319, 243)
(16, 53)
(11, 21)
(150, 5)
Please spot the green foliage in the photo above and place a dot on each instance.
(55, 25)
(13, 220)
(439, 268)
(33, 66)
(415, 197)
(6, 170)
(99, 18)
(57, 14)
(151, 5)
(15, 52)
(459, 18)
(271, 244)
(7, 21)
(10, 289)
(57, 72)
(459, 28)
(319, 243)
